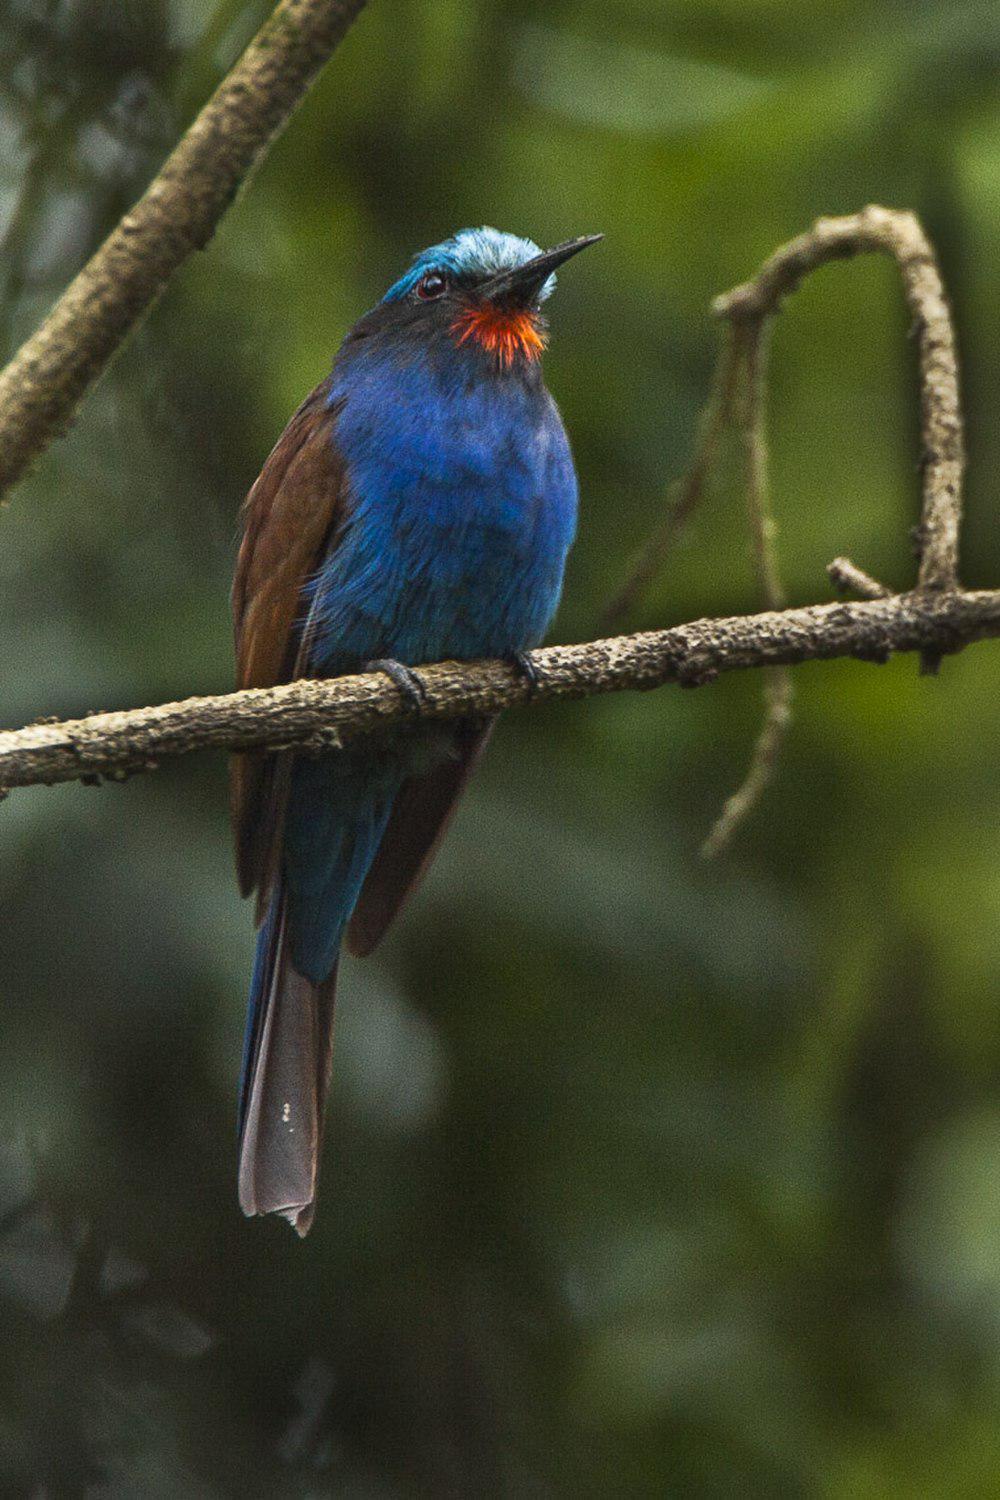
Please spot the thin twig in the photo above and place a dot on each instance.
(751, 337)
(753, 433)
(43, 384)
(767, 748)
(314, 715)
(685, 493)
(848, 578)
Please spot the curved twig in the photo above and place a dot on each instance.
(899, 234)
(748, 309)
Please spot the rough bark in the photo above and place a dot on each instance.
(313, 715)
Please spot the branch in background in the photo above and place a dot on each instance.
(43, 384)
(748, 309)
(315, 715)
(685, 493)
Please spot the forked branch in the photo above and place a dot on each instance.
(738, 395)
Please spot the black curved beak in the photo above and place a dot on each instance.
(525, 282)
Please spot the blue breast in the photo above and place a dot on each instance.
(462, 508)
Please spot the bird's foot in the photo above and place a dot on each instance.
(403, 677)
(526, 669)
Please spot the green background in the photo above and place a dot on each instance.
(643, 1178)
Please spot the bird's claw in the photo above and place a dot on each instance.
(402, 677)
(526, 669)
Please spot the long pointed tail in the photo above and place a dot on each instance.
(336, 815)
(286, 1076)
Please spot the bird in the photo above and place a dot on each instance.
(419, 506)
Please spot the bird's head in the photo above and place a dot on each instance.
(482, 288)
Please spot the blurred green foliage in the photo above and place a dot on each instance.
(642, 1178)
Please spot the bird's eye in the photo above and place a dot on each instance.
(434, 284)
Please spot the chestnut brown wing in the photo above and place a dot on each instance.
(289, 519)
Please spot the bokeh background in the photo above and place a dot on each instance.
(643, 1178)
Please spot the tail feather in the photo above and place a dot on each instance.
(285, 1080)
(335, 810)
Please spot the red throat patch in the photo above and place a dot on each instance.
(501, 331)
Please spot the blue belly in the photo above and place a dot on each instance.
(462, 509)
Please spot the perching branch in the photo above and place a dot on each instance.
(315, 715)
(43, 384)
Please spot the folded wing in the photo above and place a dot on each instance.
(290, 519)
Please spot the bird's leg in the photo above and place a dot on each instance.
(402, 677)
(526, 669)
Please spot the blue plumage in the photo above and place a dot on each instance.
(454, 508)
(464, 507)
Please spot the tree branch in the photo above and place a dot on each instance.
(43, 384)
(313, 715)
